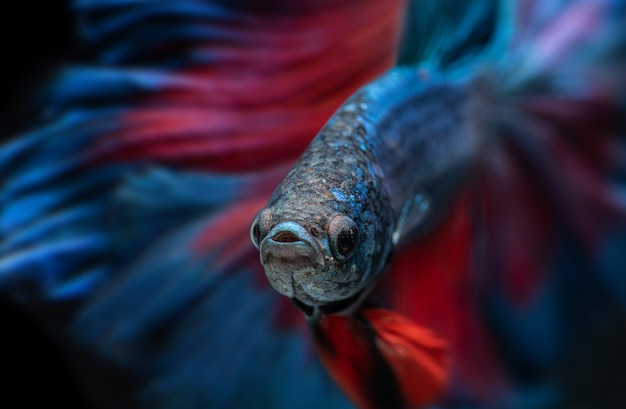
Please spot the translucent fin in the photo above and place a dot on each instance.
(413, 214)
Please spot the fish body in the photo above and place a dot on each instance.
(389, 156)
(488, 168)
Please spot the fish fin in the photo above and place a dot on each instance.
(430, 283)
(52, 212)
(566, 44)
(438, 34)
(561, 145)
(413, 213)
(198, 301)
(548, 186)
(381, 359)
(66, 223)
(418, 358)
(144, 258)
(222, 87)
(546, 197)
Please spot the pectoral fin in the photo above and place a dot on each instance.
(414, 212)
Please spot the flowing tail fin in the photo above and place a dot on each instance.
(559, 123)
(548, 203)
(524, 279)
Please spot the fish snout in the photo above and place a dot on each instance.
(286, 250)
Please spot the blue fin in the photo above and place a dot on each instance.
(438, 33)
(177, 312)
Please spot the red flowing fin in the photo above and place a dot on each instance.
(417, 357)
(381, 359)
(516, 229)
(262, 92)
(429, 282)
(549, 172)
(558, 147)
(348, 350)
(581, 136)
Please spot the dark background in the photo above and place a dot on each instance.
(36, 37)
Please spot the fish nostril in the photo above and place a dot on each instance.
(286, 237)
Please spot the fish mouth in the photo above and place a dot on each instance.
(288, 249)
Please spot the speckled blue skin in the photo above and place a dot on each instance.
(396, 138)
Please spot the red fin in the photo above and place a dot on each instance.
(260, 99)
(430, 283)
(349, 353)
(417, 357)
(382, 359)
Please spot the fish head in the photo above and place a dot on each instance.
(321, 251)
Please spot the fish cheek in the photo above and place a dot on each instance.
(344, 272)
(323, 287)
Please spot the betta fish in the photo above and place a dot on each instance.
(492, 169)
(452, 235)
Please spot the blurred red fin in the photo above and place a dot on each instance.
(429, 282)
(257, 98)
(381, 359)
(417, 357)
(349, 355)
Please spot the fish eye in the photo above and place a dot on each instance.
(257, 228)
(344, 236)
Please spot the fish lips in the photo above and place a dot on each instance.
(290, 252)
